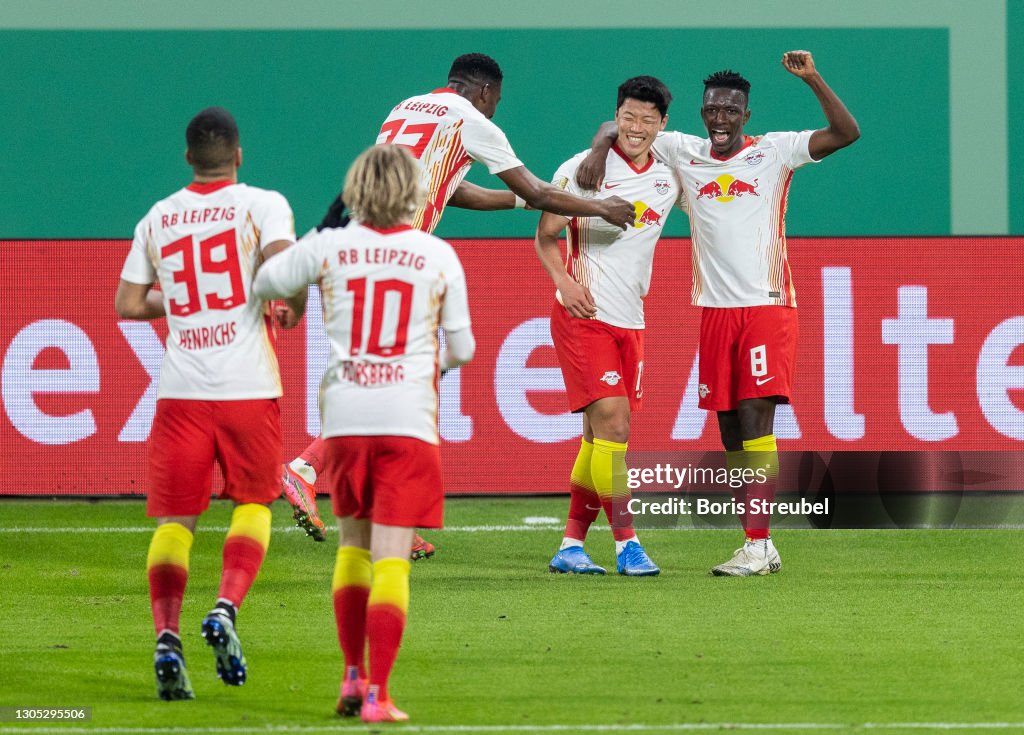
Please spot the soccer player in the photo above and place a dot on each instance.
(735, 191)
(597, 321)
(219, 384)
(387, 288)
(447, 130)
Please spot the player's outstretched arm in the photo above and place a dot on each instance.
(138, 301)
(471, 196)
(544, 196)
(590, 173)
(842, 128)
(575, 298)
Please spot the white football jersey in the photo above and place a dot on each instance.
(384, 293)
(615, 264)
(203, 245)
(446, 133)
(737, 211)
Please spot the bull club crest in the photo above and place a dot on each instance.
(703, 390)
(662, 186)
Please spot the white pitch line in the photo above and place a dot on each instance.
(277, 529)
(672, 727)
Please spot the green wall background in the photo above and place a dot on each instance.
(96, 97)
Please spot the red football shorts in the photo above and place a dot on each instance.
(746, 352)
(188, 436)
(597, 359)
(391, 480)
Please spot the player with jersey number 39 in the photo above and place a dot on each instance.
(386, 289)
(735, 190)
(219, 384)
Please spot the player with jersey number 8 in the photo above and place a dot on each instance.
(387, 288)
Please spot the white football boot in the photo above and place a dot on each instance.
(753, 558)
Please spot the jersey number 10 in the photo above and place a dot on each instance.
(378, 291)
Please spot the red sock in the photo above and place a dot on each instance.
(763, 457)
(166, 590)
(619, 518)
(244, 550)
(385, 618)
(313, 455)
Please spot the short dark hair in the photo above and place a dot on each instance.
(212, 138)
(727, 79)
(645, 89)
(479, 68)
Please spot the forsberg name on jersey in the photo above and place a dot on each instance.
(381, 256)
(371, 374)
(197, 216)
(202, 337)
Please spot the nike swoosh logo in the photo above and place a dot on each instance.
(694, 162)
(759, 381)
(611, 186)
(592, 508)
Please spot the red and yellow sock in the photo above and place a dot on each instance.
(386, 610)
(608, 470)
(762, 454)
(353, 573)
(244, 549)
(584, 503)
(167, 569)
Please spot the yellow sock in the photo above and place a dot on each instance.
(352, 568)
(581, 469)
(608, 469)
(244, 550)
(171, 544)
(763, 453)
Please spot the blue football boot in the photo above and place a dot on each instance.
(574, 560)
(634, 562)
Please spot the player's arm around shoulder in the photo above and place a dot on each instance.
(842, 129)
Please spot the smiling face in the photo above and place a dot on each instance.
(639, 122)
(725, 113)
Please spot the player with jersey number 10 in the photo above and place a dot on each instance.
(387, 288)
(219, 384)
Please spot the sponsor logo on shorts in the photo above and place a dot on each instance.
(611, 378)
(703, 391)
(762, 381)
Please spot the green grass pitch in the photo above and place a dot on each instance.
(873, 631)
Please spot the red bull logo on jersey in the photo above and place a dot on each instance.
(645, 215)
(725, 188)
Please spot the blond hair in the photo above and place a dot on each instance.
(382, 187)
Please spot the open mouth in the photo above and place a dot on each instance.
(719, 136)
(635, 139)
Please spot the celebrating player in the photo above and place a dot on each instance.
(387, 287)
(219, 384)
(447, 130)
(735, 191)
(598, 319)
